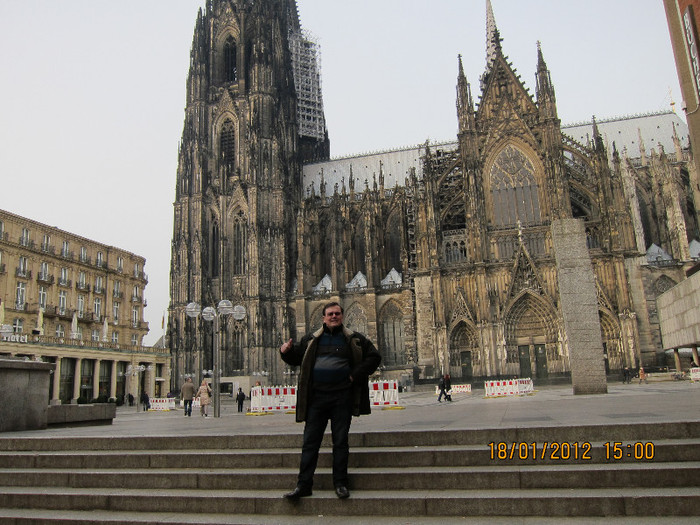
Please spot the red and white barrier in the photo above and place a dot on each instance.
(273, 398)
(695, 374)
(509, 387)
(384, 393)
(163, 403)
(456, 389)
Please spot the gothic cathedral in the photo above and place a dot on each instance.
(451, 257)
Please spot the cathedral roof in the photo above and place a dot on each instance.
(625, 132)
(396, 165)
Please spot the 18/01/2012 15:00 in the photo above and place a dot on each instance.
(565, 451)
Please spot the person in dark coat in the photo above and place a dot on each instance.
(240, 397)
(333, 385)
(145, 401)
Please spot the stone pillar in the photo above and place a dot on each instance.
(96, 379)
(77, 380)
(696, 360)
(57, 383)
(677, 360)
(113, 381)
(579, 306)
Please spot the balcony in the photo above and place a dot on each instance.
(47, 248)
(20, 306)
(65, 282)
(99, 289)
(23, 273)
(27, 243)
(117, 294)
(45, 278)
(136, 298)
(85, 287)
(67, 254)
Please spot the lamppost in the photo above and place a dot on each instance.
(211, 314)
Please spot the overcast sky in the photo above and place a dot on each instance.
(93, 93)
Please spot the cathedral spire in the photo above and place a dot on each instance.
(493, 43)
(465, 105)
(546, 98)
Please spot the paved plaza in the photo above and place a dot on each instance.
(655, 402)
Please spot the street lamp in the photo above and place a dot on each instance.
(225, 307)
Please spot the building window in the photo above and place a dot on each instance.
(137, 270)
(46, 243)
(227, 143)
(115, 337)
(65, 249)
(95, 336)
(120, 264)
(97, 310)
(83, 254)
(22, 268)
(230, 60)
(44, 271)
(135, 315)
(100, 261)
(20, 295)
(239, 246)
(78, 334)
(2, 229)
(60, 331)
(134, 340)
(24, 239)
(514, 190)
(117, 289)
(135, 295)
(63, 281)
(42, 297)
(98, 284)
(115, 312)
(62, 302)
(81, 306)
(81, 280)
(17, 326)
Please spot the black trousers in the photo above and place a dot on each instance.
(188, 407)
(325, 406)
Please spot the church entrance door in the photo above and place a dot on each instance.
(466, 363)
(525, 364)
(541, 362)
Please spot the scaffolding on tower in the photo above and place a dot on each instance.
(306, 62)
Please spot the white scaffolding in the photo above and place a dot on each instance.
(306, 62)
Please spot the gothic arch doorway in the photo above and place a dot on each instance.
(464, 352)
(612, 348)
(530, 332)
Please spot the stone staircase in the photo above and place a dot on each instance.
(409, 476)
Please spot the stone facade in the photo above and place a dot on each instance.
(442, 254)
(79, 304)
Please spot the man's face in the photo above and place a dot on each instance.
(333, 317)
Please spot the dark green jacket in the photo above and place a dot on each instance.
(365, 360)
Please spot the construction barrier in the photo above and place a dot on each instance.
(695, 374)
(273, 398)
(509, 387)
(162, 403)
(456, 389)
(384, 393)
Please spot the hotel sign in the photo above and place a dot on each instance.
(691, 41)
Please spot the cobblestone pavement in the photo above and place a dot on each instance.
(655, 402)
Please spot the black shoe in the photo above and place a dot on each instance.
(299, 492)
(342, 492)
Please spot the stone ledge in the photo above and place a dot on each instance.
(69, 415)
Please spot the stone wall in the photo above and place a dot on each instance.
(24, 390)
(579, 306)
(679, 314)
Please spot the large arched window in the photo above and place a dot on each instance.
(214, 250)
(393, 244)
(514, 190)
(240, 238)
(230, 60)
(359, 249)
(227, 147)
(391, 335)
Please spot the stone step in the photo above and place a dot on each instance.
(51, 517)
(419, 503)
(664, 450)
(597, 433)
(612, 475)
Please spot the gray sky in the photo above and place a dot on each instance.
(93, 93)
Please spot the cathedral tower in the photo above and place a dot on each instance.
(252, 76)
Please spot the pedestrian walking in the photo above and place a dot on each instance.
(145, 402)
(642, 375)
(333, 385)
(187, 393)
(240, 397)
(204, 395)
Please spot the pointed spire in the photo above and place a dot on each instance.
(546, 98)
(597, 138)
(465, 105)
(493, 40)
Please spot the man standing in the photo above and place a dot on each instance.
(187, 394)
(335, 366)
